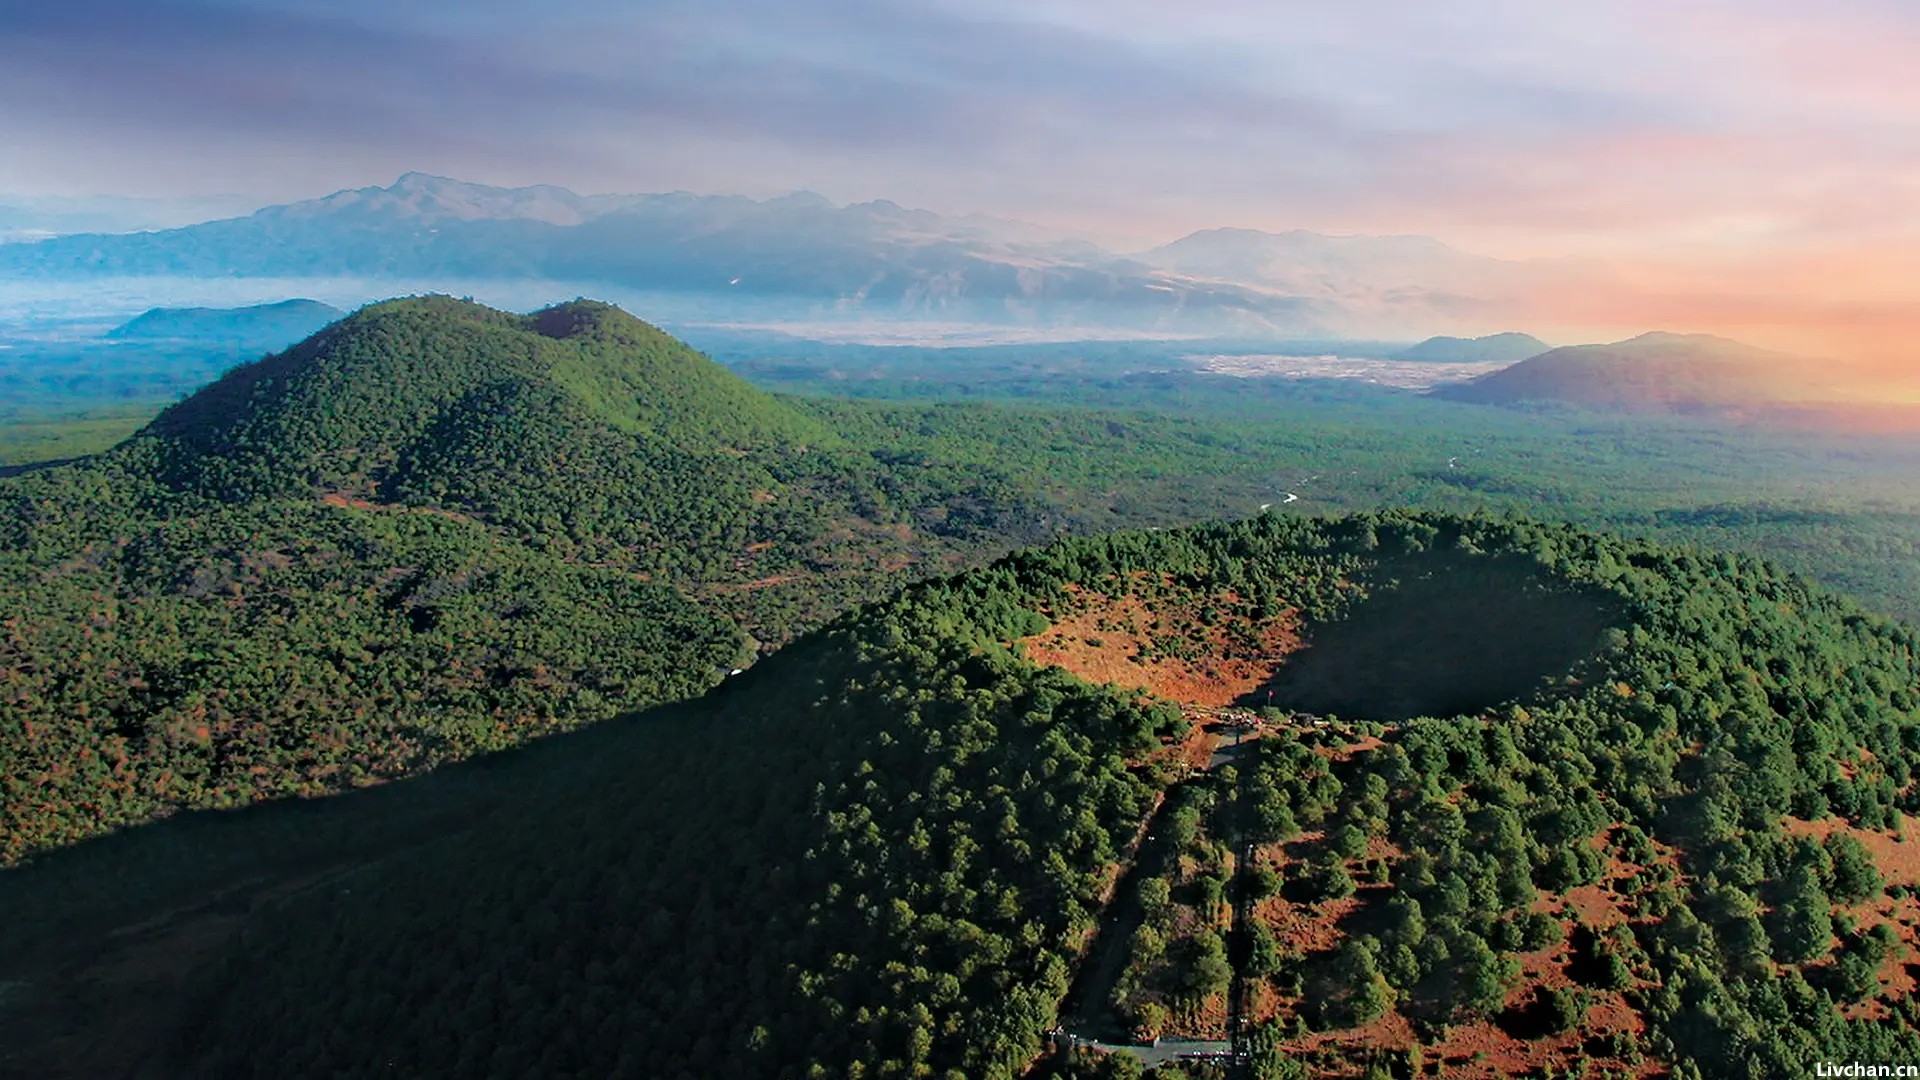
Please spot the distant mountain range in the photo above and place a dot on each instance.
(1411, 275)
(34, 217)
(874, 258)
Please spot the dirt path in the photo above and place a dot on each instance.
(1089, 1019)
(1086, 1012)
(1239, 941)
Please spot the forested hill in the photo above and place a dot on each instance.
(429, 530)
(436, 391)
(906, 845)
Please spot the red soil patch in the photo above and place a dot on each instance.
(348, 501)
(1208, 1020)
(336, 498)
(752, 586)
(1166, 647)
(1484, 1049)
(1897, 856)
(1898, 972)
(1389, 1032)
(1360, 745)
(1596, 905)
(1306, 928)
(1194, 751)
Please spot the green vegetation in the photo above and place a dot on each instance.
(343, 407)
(1523, 779)
(430, 531)
(1838, 508)
(290, 648)
(875, 851)
(1177, 973)
(30, 438)
(1723, 707)
(195, 614)
(884, 851)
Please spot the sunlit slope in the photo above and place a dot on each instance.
(400, 379)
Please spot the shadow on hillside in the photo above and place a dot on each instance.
(1441, 634)
(106, 941)
(34, 466)
(194, 855)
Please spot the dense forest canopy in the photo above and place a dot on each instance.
(431, 530)
(890, 848)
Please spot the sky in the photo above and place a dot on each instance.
(1745, 164)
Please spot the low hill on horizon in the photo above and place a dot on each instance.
(1659, 372)
(276, 324)
(436, 529)
(1509, 347)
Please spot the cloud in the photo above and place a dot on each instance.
(962, 96)
(859, 75)
(1693, 136)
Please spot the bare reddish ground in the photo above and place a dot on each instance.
(1360, 745)
(1900, 973)
(1101, 638)
(1897, 855)
(1482, 1049)
(1307, 928)
(751, 586)
(1195, 750)
(1486, 1049)
(1379, 847)
(1207, 1021)
(1596, 905)
(348, 501)
(1389, 1032)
